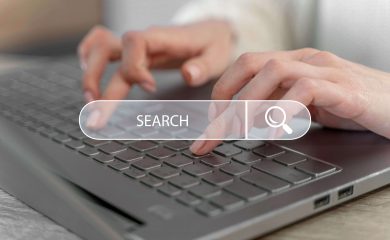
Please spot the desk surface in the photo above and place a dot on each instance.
(365, 218)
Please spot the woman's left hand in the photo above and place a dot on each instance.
(339, 93)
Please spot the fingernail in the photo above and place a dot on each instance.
(93, 119)
(83, 65)
(212, 112)
(88, 96)
(194, 72)
(198, 144)
(150, 87)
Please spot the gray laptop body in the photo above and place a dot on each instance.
(96, 201)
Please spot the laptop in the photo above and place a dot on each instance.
(108, 189)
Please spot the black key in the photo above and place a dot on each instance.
(128, 155)
(218, 178)
(280, 171)
(265, 181)
(247, 158)
(268, 150)
(227, 201)
(61, 138)
(143, 145)
(151, 181)
(227, 150)
(118, 165)
(207, 209)
(95, 143)
(110, 131)
(290, 158)
(178, 161)
(188, 199)
(48, 132)
(134, 173)
(161, 152)
(205, 190)
(125, 142)
(189, 154)
(75, 144)
(89, 151)
(245, 190)
(248, 144)
(146, 164)
(184, 181)
(165, 172)
(169, 190)
(197, 169)
(235, 169)
(112, 147)
(178, 145)
(78, 135)
(315, 168)
(144, 132)
(214, 160)
(103, 158)
(66, 128)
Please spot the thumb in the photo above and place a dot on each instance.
(200, 69)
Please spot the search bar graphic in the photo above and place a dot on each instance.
(194, 119)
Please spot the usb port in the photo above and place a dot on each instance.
(321, 201)
(345, 192)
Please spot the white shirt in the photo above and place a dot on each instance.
(358, 30)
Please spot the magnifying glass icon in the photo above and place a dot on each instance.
(276, 124)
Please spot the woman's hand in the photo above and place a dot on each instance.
(339, 93)
(202, 50)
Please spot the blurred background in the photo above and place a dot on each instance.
(54, 27)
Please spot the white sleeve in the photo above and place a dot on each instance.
(259, 25)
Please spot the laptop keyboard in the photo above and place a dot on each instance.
(234, 175)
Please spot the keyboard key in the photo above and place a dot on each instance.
(214, 160)
(245, 190)
(227, 201)
(165, 172)
(89, 151)
(169, 190)
(146, 164)
(95, 143)
(178, 145)
(78, 135)
(48, 132)
(178, 161)
(290, 158)
(66, 128)
(143, 145)
(112, 147)
(265, 181)
(184, 181)
(227, 150)
(205, 190)
(280, 171)
(75, 144)
(118, 165)
(151, 181)
(188, 199)
(110, 131)
(134, 173)
(218, 178)
(235, 169)
(248, 144)
(144, 132)
(197, 169)
(207, 209)
(103, 158)
(315, 168)
(61, 138)
(189, 154)
(247, 158)
(268, 150)
(129, 155)
(160, 153)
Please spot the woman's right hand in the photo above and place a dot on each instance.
(202, 50)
